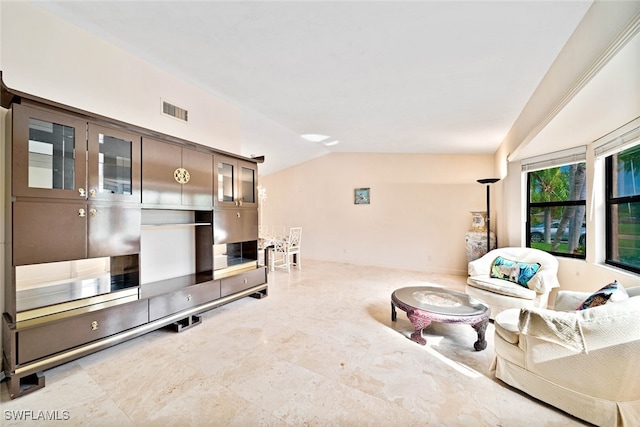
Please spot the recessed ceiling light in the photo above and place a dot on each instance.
(330, 143)
(314, 137)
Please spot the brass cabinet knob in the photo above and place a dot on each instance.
(82, 213)
(93, 212)
(238, 214)
(92, 193)
(94, 325)
(189, 297)
(82, 192)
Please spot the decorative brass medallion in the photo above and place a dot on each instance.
(182, 175)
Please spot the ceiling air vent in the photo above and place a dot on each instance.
(174, 111)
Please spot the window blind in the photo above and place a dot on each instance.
(620, 139)
(558, 158)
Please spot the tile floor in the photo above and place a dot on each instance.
(320, 350)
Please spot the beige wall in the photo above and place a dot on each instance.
(606, 29)
(417, 219)
(44, 56)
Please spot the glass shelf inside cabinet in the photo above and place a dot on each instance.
(248, 185)
(175, 218)
(226, 189)
(229, 258)
(51, 155)
(114, 165)
(43, 289)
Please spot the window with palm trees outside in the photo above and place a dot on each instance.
(623, 209)
(557, 210)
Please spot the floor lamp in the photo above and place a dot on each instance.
(488, 182)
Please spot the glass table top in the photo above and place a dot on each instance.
(440, 300)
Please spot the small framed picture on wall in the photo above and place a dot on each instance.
(362, 196)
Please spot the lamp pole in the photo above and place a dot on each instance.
(488, 182)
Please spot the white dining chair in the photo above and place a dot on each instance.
(288, 250)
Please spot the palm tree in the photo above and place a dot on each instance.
(548, 185)
(573, 216)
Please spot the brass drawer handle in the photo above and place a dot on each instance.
(81, 192)
(82, 213)
(94, 325)
(189, 297)
(93, 212)
(92, 193)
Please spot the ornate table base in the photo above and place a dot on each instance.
(421, 318)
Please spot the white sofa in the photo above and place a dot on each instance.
(501, 294)
(585, 362)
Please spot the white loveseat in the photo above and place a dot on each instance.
(585, 362)
(501, 294)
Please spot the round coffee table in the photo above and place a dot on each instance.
(426, 304)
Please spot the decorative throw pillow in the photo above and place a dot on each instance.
(613, 292)
(513, 271)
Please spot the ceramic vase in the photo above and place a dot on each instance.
(476, 237)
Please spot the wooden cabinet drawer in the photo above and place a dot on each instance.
(195, 295)
(233, 284)
(50, 338)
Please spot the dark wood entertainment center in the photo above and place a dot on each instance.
(80, 192)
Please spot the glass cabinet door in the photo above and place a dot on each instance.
(114, 164)
(49, 154)
(248, 184)
(225, 186)
(235, 183)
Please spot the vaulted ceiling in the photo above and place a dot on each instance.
(401, 77)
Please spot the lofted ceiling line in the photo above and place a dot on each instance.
(625, 36)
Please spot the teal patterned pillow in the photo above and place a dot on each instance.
(513, 271)
(613, 292)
